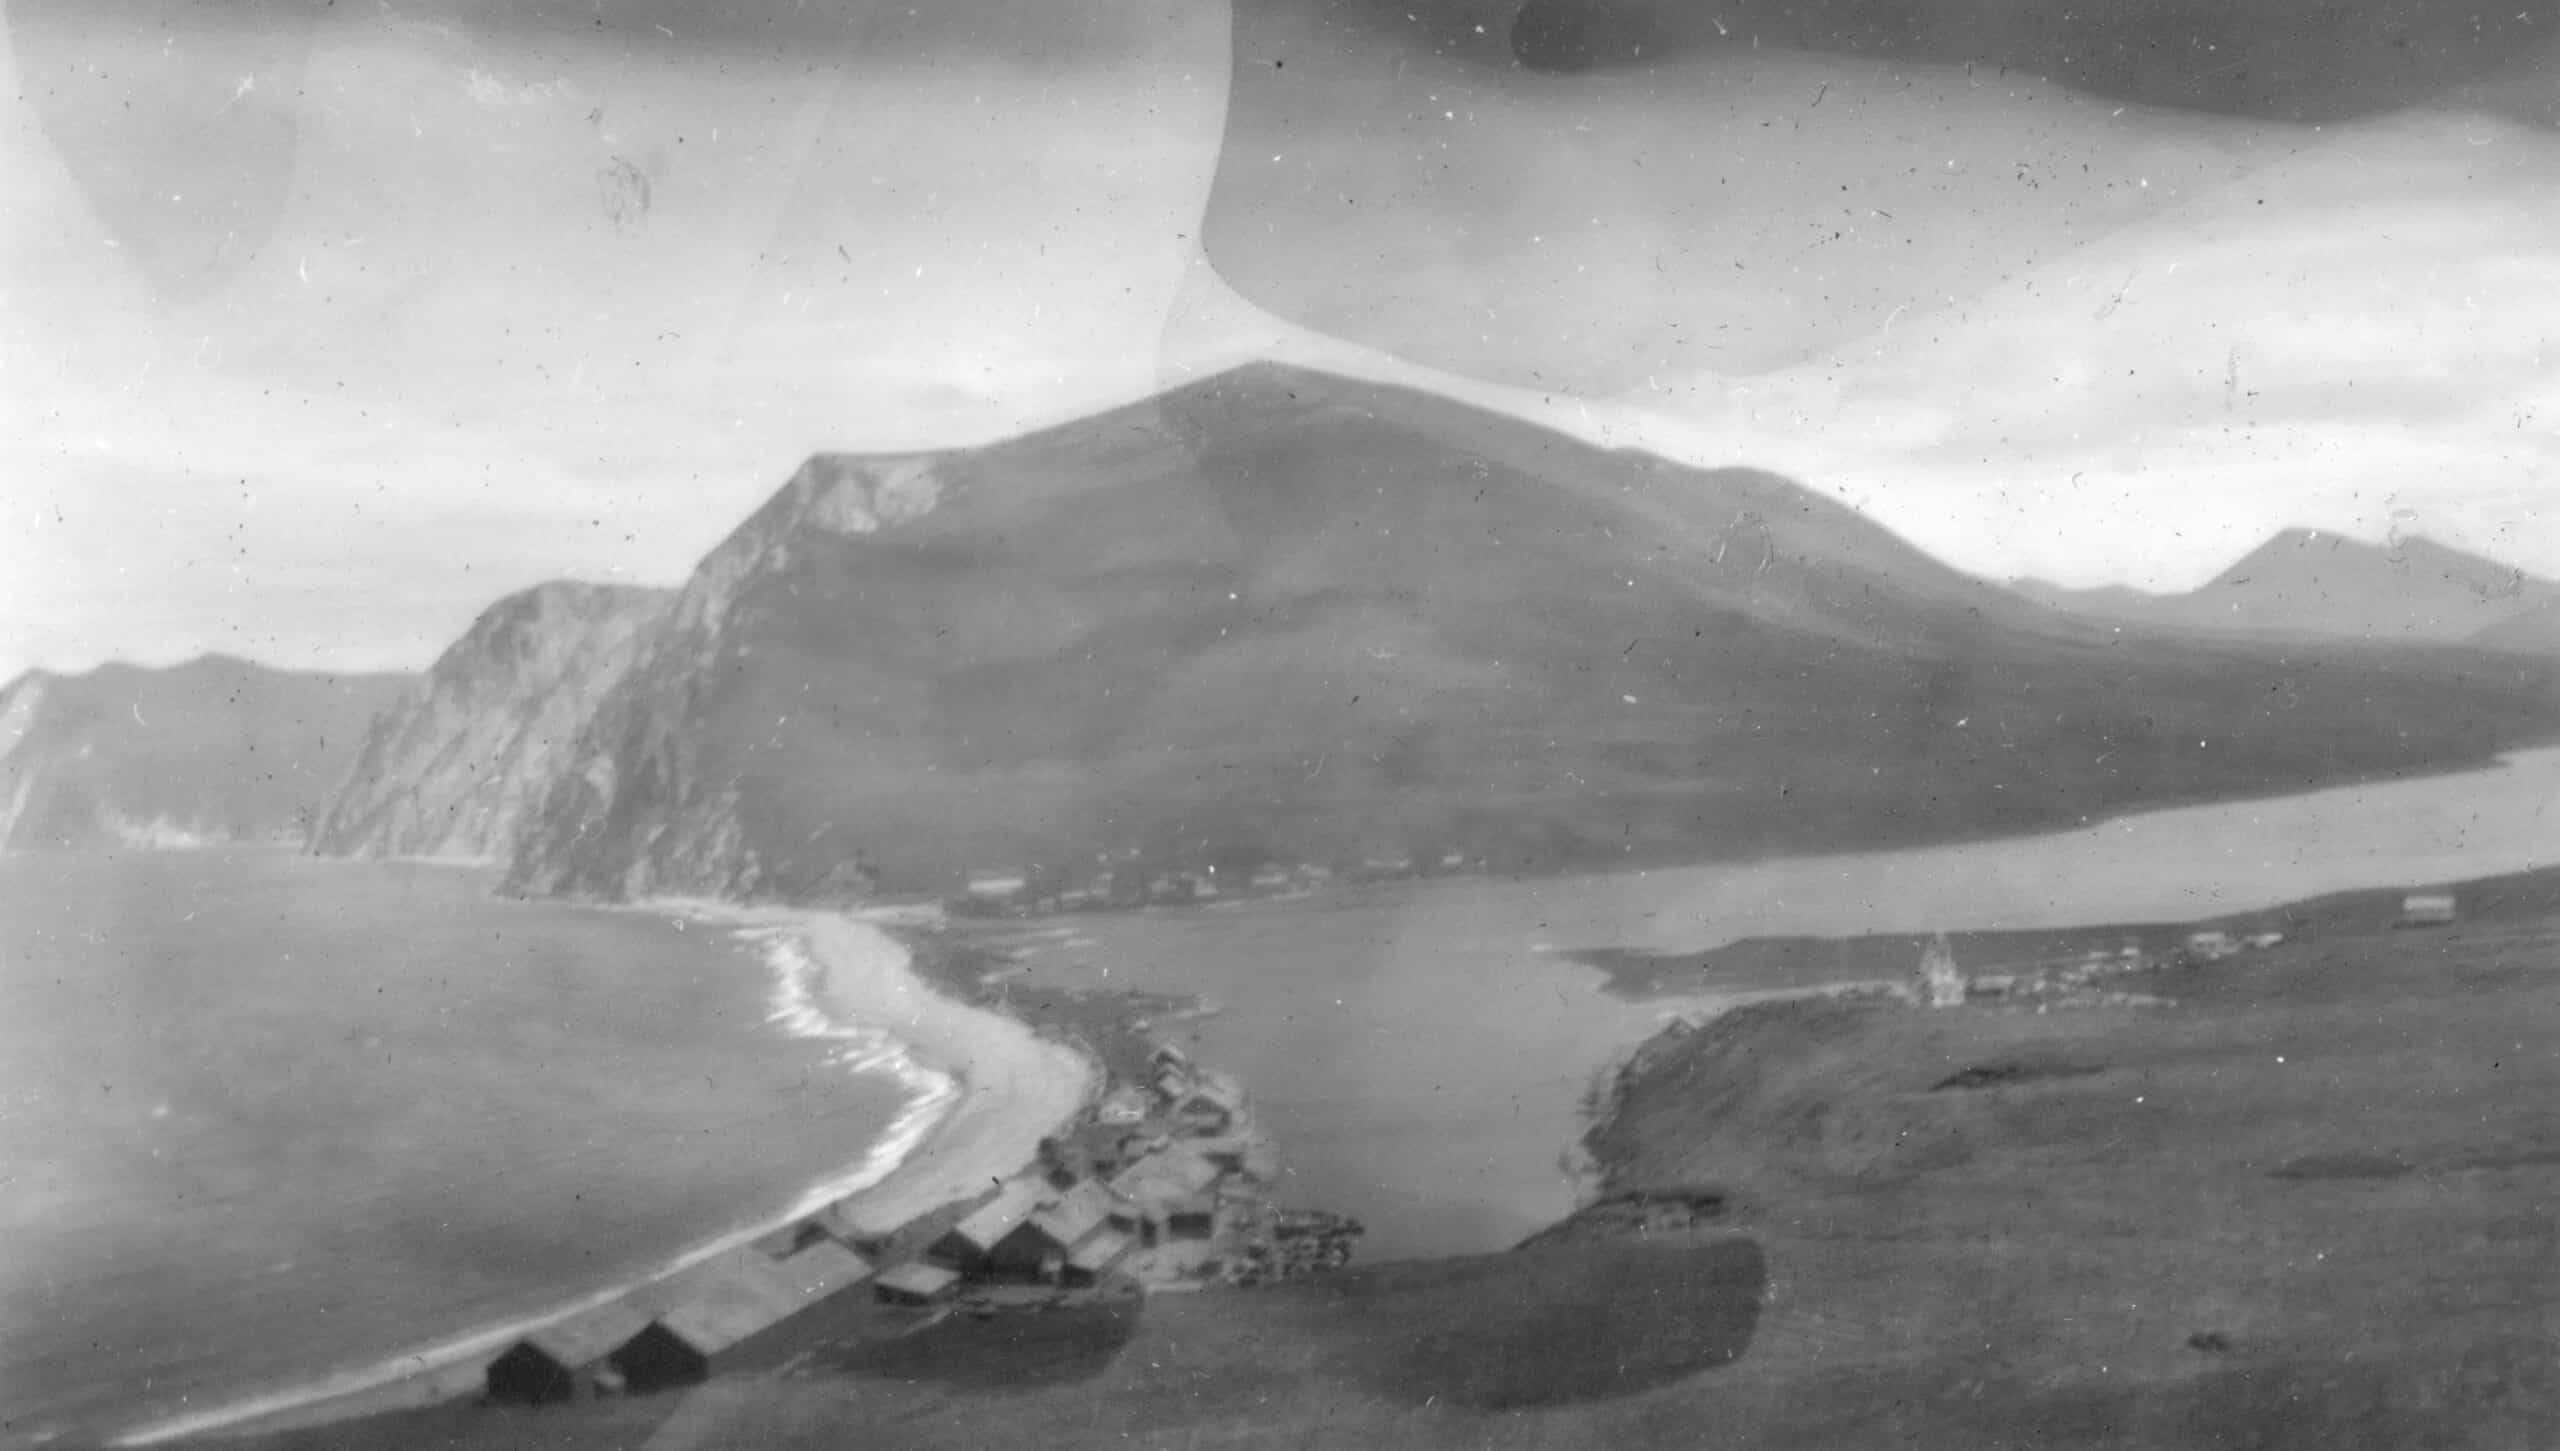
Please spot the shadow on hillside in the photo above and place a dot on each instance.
(1019, 1350)
(1534, 1328)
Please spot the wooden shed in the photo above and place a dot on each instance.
(968, 1244)
(2426, 909)
(724, 1307)
(563, 1361)
(915, 1283)
(1099, 1255)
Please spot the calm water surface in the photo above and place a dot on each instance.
(263, 1117)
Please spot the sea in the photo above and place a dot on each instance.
(266, 1119)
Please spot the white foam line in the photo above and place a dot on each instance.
(795, 1006)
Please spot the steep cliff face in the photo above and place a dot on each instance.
(210, 753)
(1283, 615)
(455, 765)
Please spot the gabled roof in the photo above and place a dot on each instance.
(590, 1335)
(1174, 1172)
(915, 1277)
(1219, 1089)
(1100, 1252)
(992, 1221)
(743, 1292)
(841, 1220)
(1075, 1214)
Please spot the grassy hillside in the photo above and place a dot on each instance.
(1282, 614)
(2305, 1203)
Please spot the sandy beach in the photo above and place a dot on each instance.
(987, 1090)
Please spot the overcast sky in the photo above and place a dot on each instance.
(320, 327)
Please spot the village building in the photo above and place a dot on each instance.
(1211, 1104)
(1942, 985)
(1231, 1153)
(724, 1307)
(996, 886)
(840, 1222)
(1040, 1247)
(1121, 1106)
(968, 1244)
(565, 1360)
(1167, 1195)
(1100, 1254)
(915, 1283)
(2426, 909)
(2210, 946)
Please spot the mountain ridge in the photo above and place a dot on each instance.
(1278, 614)
(214, 750)
(2313, 583)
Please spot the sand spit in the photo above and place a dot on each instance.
(985, 1089)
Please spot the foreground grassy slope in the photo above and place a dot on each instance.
(2306, 1204)
(1277, 613)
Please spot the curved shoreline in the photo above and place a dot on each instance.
(986, 1090)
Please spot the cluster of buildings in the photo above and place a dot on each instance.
(706, 1318)
(1158, 1183)
(1012, 891)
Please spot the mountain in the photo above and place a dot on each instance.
(453, 766)
(1278, 614)
(2307, 583)
(211, 752)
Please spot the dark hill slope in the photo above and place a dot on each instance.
(1283, 613)
(454, 766)
(210, 752)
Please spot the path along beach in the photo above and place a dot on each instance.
(986, 1090)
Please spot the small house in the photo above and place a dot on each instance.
(1122, 1106)
(915, 1283)
(975, 1237)
(1212, 1105)
(1154, 1192)
(1941, 984)
(1099, 1255)
(1039, 1246)
(843, 1223)
(2261, 941)
(1229, 1152)
(2210, 946)
(996, 886)
(564, 1360)
(2426, 909)
(725, 1307)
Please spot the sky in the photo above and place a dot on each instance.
(321, 326)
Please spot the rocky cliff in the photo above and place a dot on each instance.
(1280, 615)
(455, 765)
(213, 752)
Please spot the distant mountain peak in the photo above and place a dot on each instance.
(2320, 583)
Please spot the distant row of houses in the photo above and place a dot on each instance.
(1020, 890)
(1939, 983)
